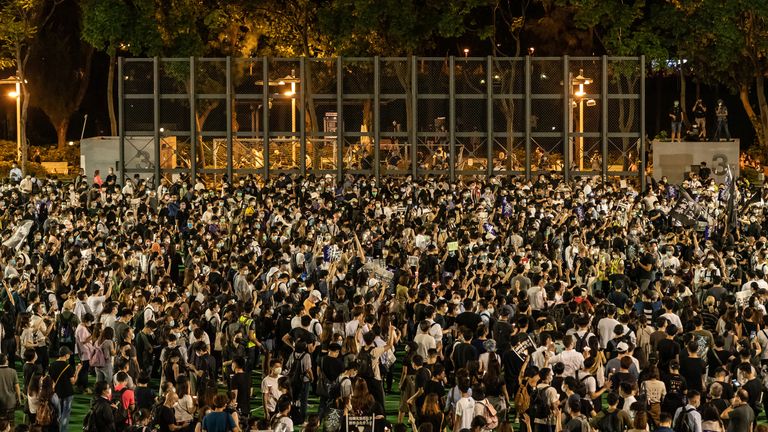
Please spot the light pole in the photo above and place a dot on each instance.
(292, 80)
(17, 95)
(579, 94)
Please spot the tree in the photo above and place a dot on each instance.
(20, 21)
(59, 90)
(727, 43)
(115, 25)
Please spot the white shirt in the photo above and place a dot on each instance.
(571, 359)
(605, 329)
(425, 342)
(465, 408)
(536, 297)
(96, 304)
(674, 319)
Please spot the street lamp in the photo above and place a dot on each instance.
(292, 80)
(466, 52)
(16, 94)
(580, 81)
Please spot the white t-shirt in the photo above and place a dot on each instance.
(465, 408)
(605, 329)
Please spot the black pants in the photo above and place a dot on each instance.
(376, 388)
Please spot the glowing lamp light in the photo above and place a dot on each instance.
(289, 93)
(13, 94)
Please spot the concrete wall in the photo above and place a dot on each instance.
(673, 160)
(99, 153)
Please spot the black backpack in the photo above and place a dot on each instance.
(334, 391)
(683, 422)
(365, 363)
(581, 341)
(296, 374)
(610, 422)
(540, 405)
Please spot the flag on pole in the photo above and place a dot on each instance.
(731, 207)
(686, 211)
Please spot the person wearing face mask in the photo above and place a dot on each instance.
(270, 390)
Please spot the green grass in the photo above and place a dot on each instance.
(82, 402)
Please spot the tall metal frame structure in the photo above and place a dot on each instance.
(453, 116)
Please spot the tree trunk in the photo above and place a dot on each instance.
(61, 133)
(200, 119)
(111, 96)
(683, 91)
(763, 106)
(753, 118)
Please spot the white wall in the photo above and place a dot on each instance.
(675, 159)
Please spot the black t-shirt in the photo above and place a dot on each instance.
(692, 368)
(62, 372)
(469, 320)
(299, 333)
(647, 260)
(242, 383)
(165, 418)
(332, 367)
(755, 390)
(667, 349)
(145, 398)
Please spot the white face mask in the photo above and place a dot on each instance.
(278, 370)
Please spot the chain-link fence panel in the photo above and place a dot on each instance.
(586, 86)
(395, 75)
(174, 76)
(139, 115)
(471, 76)
(432, 75)
(211, 76)
(174, 116)
(322, 114)
(623, 115)
(139, 153)
(138, 76)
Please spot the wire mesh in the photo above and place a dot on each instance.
(506, 81)
(137, 76)
(471, 76)
(433, 76)
(174, 76)
(211, 76)
(247, 74)
(395, 75)
(139, 115)
(174, 116)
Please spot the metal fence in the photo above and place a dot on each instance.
(382, 116)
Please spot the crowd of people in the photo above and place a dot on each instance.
(487, 304)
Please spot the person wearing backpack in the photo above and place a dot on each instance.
(612, 419)
(100, 418)
(544, 400)
(687, 418)
(578, 421)
(369, 362)
(66, 324)
(298, 369)
(485, 409)
(125, 402)
(64, 377)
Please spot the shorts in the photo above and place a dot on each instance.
(677, 126)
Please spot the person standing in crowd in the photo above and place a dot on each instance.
(64, 377)
(519, 294)
(101, 416)
(10, 391)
